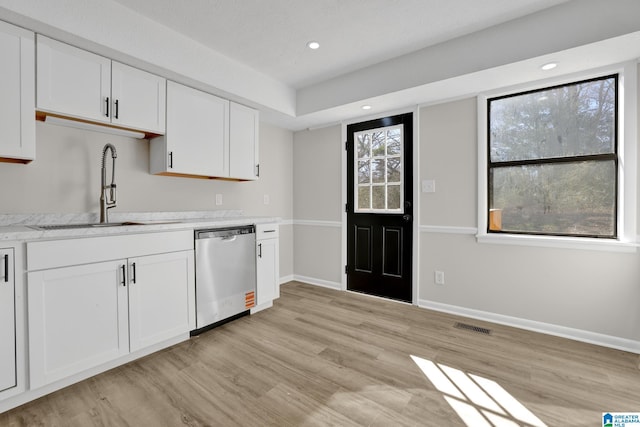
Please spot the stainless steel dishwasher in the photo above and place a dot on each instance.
(225, 274)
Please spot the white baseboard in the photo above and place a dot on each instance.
(318, 282)
(532, 325)
(516, 322)
(285, 279)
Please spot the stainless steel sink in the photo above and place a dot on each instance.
(73, 226)
(98, 225)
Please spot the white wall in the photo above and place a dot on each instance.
(588, 290)
(317, 212)
(65, 178)
(585, 294)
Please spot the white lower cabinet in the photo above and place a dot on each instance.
(267, 265)
(8, 378)
(83, 316)
(158, 299)
(77, 319)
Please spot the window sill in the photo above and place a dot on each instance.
(607, 245)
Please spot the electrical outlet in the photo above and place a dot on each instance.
(439, 277)
(266, 199)
(218, 199)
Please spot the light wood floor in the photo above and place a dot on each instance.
(323, 357)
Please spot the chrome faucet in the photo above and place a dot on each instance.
(108, 192)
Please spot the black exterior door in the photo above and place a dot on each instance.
(380, 207)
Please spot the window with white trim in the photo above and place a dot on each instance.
(378, 170)
(552, 160)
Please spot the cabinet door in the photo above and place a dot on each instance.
(7, 321)
(267, 271)
(17, 86)
(72, 82)
(197, 132)
(243, 142)
(77, 319)
(138, 98)
(158, 297)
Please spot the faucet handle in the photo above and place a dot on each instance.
(112, 195)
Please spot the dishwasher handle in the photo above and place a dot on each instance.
(224, 233)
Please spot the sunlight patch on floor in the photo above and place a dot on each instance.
(478, 401)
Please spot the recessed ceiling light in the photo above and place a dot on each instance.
(549, 66)
(313, 45)
(366, 107)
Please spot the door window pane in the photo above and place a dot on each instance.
(378, 196)
(364, 145)
(364, 197)
(393, 169)
(394, 142)
(377, 167)
(377, 144)
(393, 197)
(364, 172)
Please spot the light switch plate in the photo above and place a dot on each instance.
(218, 199)
(428, 186)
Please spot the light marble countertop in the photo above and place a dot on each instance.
(24, 227)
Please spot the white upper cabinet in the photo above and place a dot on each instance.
(197, 137)
(139, 98)
(74, 83)
(243, 136)
(206, 136)
(17, 89)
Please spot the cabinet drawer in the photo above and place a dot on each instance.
(267, 231)
(61, 253)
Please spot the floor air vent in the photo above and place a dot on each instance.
(472, 328)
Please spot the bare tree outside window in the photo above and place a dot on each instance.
(379, 170)
(553, 162)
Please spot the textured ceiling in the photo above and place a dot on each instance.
(270, 36)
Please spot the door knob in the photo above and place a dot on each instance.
(406, 218)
